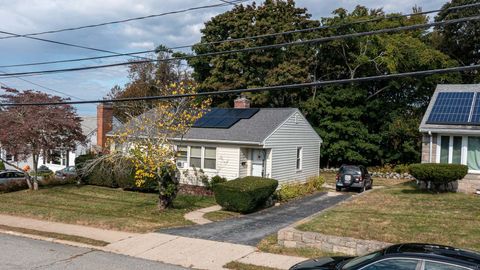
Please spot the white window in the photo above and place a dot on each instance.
(198, 157)
(182, 156)
(182, 153)
(195, 157)
(210, 158)
(58, 157)
(9, 157)
(299, 158)
(459, 149)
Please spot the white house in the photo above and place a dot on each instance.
(276, 143)
(451, 130)
(95, 140)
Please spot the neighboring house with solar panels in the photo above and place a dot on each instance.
(276, 143)
(451, 130)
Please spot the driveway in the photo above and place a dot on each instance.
(250, 229)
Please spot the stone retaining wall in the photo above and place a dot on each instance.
(291, 237)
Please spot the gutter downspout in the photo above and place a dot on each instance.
(431, 147)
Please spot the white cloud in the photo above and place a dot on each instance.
(26, 16)
(142, 45)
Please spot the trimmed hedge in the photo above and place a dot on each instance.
(2, 166)
(246, 194)
(292, 191)
(438, 174)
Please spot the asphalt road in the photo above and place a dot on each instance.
(24, 253)
(251, 229)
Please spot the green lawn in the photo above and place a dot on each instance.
(402, 213)
(100, 207)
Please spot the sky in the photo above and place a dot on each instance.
(29, 16)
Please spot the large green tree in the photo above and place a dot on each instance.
(371, 123)
(461, 41)
(360, 122)
(148, 79)
(287, 65)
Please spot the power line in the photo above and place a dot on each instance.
(278, 45)
(67, 44)
(248, 38)
(76, 60)
(47, 88)
(258, 89)
(126, 20)
(102, 50)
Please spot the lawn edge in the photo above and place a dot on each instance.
(52, 240)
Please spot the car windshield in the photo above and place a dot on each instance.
(350, 170)
(359, 260)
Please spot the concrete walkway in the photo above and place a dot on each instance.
(197, 215)
(164, 248)
(251, 229)
(197, 253)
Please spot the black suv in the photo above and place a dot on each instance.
(401, 257)
(353, 176)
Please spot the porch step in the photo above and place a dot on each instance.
(471, 176)
(469, 184)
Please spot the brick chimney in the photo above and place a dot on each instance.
(104, 123)
(241, 103)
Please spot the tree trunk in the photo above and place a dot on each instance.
(35, 168)
(27, 178)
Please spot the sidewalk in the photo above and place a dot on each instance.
(178, 250)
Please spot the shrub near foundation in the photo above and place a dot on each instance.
(438, 174)
(292, 191)
(244, 195)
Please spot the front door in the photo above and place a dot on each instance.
(258, 157)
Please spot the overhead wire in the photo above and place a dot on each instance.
(45, 87)
(248, 49)
(247, 38)
(28, 36)
(125, 20)
(257, 89)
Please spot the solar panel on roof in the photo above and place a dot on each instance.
(451, 108)
(475, 119)
(224, 118)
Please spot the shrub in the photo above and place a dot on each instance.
(2, 166)
(438, 174)
(111, 174)
(246, 194)
(80, 160)
(217, 179)
(401, 168)
(118, 174)
(294, 190)
(13, 186)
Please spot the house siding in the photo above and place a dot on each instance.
(426, 148)
(227, 164)
(283, 142)
(244, 159)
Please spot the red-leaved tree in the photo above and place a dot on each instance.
(30, 131)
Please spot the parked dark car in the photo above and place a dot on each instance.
(11, 176)
(401, 257)
(353, 176)
(66, 173)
